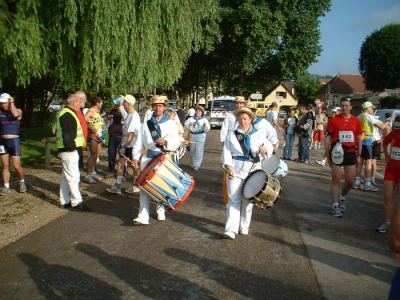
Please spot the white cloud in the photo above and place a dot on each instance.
(390, 15)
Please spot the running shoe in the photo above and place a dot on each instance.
(369, 188)
(132, 189)
(89, 179)
(336, 212)
(356, 185)
(22, 187)
(321, 162)
(383, 228)
(96, 177)
(4, 191)
(342, 204)
(244, 231)
(114, 189)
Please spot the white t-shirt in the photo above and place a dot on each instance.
(271, 116)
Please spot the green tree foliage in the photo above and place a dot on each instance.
(263, 43)
(306, 88)
(379, 60)
(389, 102)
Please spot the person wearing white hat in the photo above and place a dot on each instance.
(10, 119)
(242, 153)
(230, 122)
(368, 122)
(158, 134)
(198, 126)
(343, 130)
(130, 131)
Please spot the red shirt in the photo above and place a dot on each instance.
(393, 139)
(348, 129)
(83, 123)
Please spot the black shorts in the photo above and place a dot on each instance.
(349, 158)
(366, 151)
(10, 146)
(376, 150)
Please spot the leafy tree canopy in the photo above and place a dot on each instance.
(379, 60)
(306, 88)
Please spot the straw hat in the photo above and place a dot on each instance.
(244, 110)
(251, 105)
(201, 108)
(159, 99)
(240, 99)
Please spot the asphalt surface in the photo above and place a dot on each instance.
(295, 250)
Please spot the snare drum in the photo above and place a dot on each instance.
(165, 182)
(275, 167)
(261, 189)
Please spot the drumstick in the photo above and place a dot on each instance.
(227, 171)
(126, 158)
(151, 145)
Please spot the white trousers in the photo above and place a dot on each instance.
(238, 209)
(70, 177)
(144, 200)
(197, 150)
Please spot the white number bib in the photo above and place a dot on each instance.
(346, 136)
(395, 153)
(2, 149)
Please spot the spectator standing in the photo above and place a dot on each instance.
(289, 124)
(322, 162)
(10, 121)
(95, 126)
(82, 101)
(368, 121)
(343, 144)
(69, 138)
(180, 113)
(114, 136)
(272, 116)
(318, 134)
(303, 129)
(130, 129)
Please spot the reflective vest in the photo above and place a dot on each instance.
(79, 140)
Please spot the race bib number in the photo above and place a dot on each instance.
(395, 153)
(2, 151)
(346, 136)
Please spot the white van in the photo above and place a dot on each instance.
(380, 113)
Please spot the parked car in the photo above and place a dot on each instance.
(282, 114)
(54, 106)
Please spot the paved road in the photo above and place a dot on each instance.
(296, 250)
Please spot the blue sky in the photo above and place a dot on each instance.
(345, 28)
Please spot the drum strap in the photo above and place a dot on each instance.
(247, 153)
(154, 131)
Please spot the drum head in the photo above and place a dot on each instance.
(150, 169)
(254, 183)
(271, 164)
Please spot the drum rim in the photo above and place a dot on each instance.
(141, 179)
(277, 167)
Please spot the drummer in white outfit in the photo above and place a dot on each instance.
(230, 121)
(162, 137)
(238, 165)
(198, 127)
(264, 126)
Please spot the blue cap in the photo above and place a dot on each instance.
(117, 101)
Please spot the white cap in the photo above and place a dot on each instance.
(4, 97)
(337, 154)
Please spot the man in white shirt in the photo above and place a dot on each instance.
(230, 122)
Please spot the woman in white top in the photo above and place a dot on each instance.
(243, 149)
(198, 127)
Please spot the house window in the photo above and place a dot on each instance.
(281, 94)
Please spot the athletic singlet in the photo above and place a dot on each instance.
(9, 123)
(95, 125)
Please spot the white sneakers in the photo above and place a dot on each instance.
(132, 189)
(244, 231)
(229, 235)
(321, 162)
